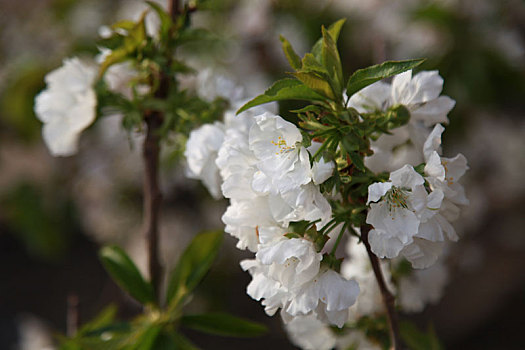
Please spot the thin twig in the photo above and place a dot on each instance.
(152, 196)
(388, 297)
(173, 9)
(73, 315)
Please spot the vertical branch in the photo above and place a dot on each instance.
(173, 9)
(73, 315)
(152, 196)
(388, 297)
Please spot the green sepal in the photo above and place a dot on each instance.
(332, 262)
(126, 274)
(291, 235)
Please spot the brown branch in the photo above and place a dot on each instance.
(73, 315)
(152, 196)
(388, 297)
(173, 9)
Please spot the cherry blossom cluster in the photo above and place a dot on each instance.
(261, 166)
(258, 161)
(411, 213)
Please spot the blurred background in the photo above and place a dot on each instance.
(56, 212)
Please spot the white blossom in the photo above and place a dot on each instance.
(284, 163)
(309, 333)
(329, 295)
(422, 287)
(358, 266)
(394, 219)
(66, 106)
(292, 262)
(420, 94)
(201, 152)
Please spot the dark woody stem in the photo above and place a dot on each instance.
(152, 194)
(388, 297)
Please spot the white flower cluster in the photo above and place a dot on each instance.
(258, 162)
(67, 106)
(411, 213)
(265, 172)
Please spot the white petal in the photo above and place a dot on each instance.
(433, 142)
(384, 245)
(406, 177)
(422, 253)
(322, 171)
(434, 168)
(377, 190)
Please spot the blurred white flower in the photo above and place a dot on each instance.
(309, 333)
(422, 287)
(420, 94)
(67, 106)
(201, 152)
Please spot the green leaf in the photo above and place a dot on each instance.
(332, 62)
(193, 265)
(367, 76)
(357, 160)
(126, 275)
(127, 25)
(147, 338)
(103, 319)
(317, 83)
(311, 64)
(164, 17)
(285, 89)
(418, 340)
(291, 56)
(334, 29)
(135, 38)
(183, 343)
(223, 324)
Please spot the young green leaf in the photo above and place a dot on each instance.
(291, 56)
(103, 319)
(193, 265)
(223, 324)
(367, 76)
(182, 343)
(317, 83)
(164, 17)
(125, 274)
(146, 338)
(311, 64)
(334, 29)
(285, 89)
(332, 62)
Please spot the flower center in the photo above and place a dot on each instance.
(282, 146)
(396, 198)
